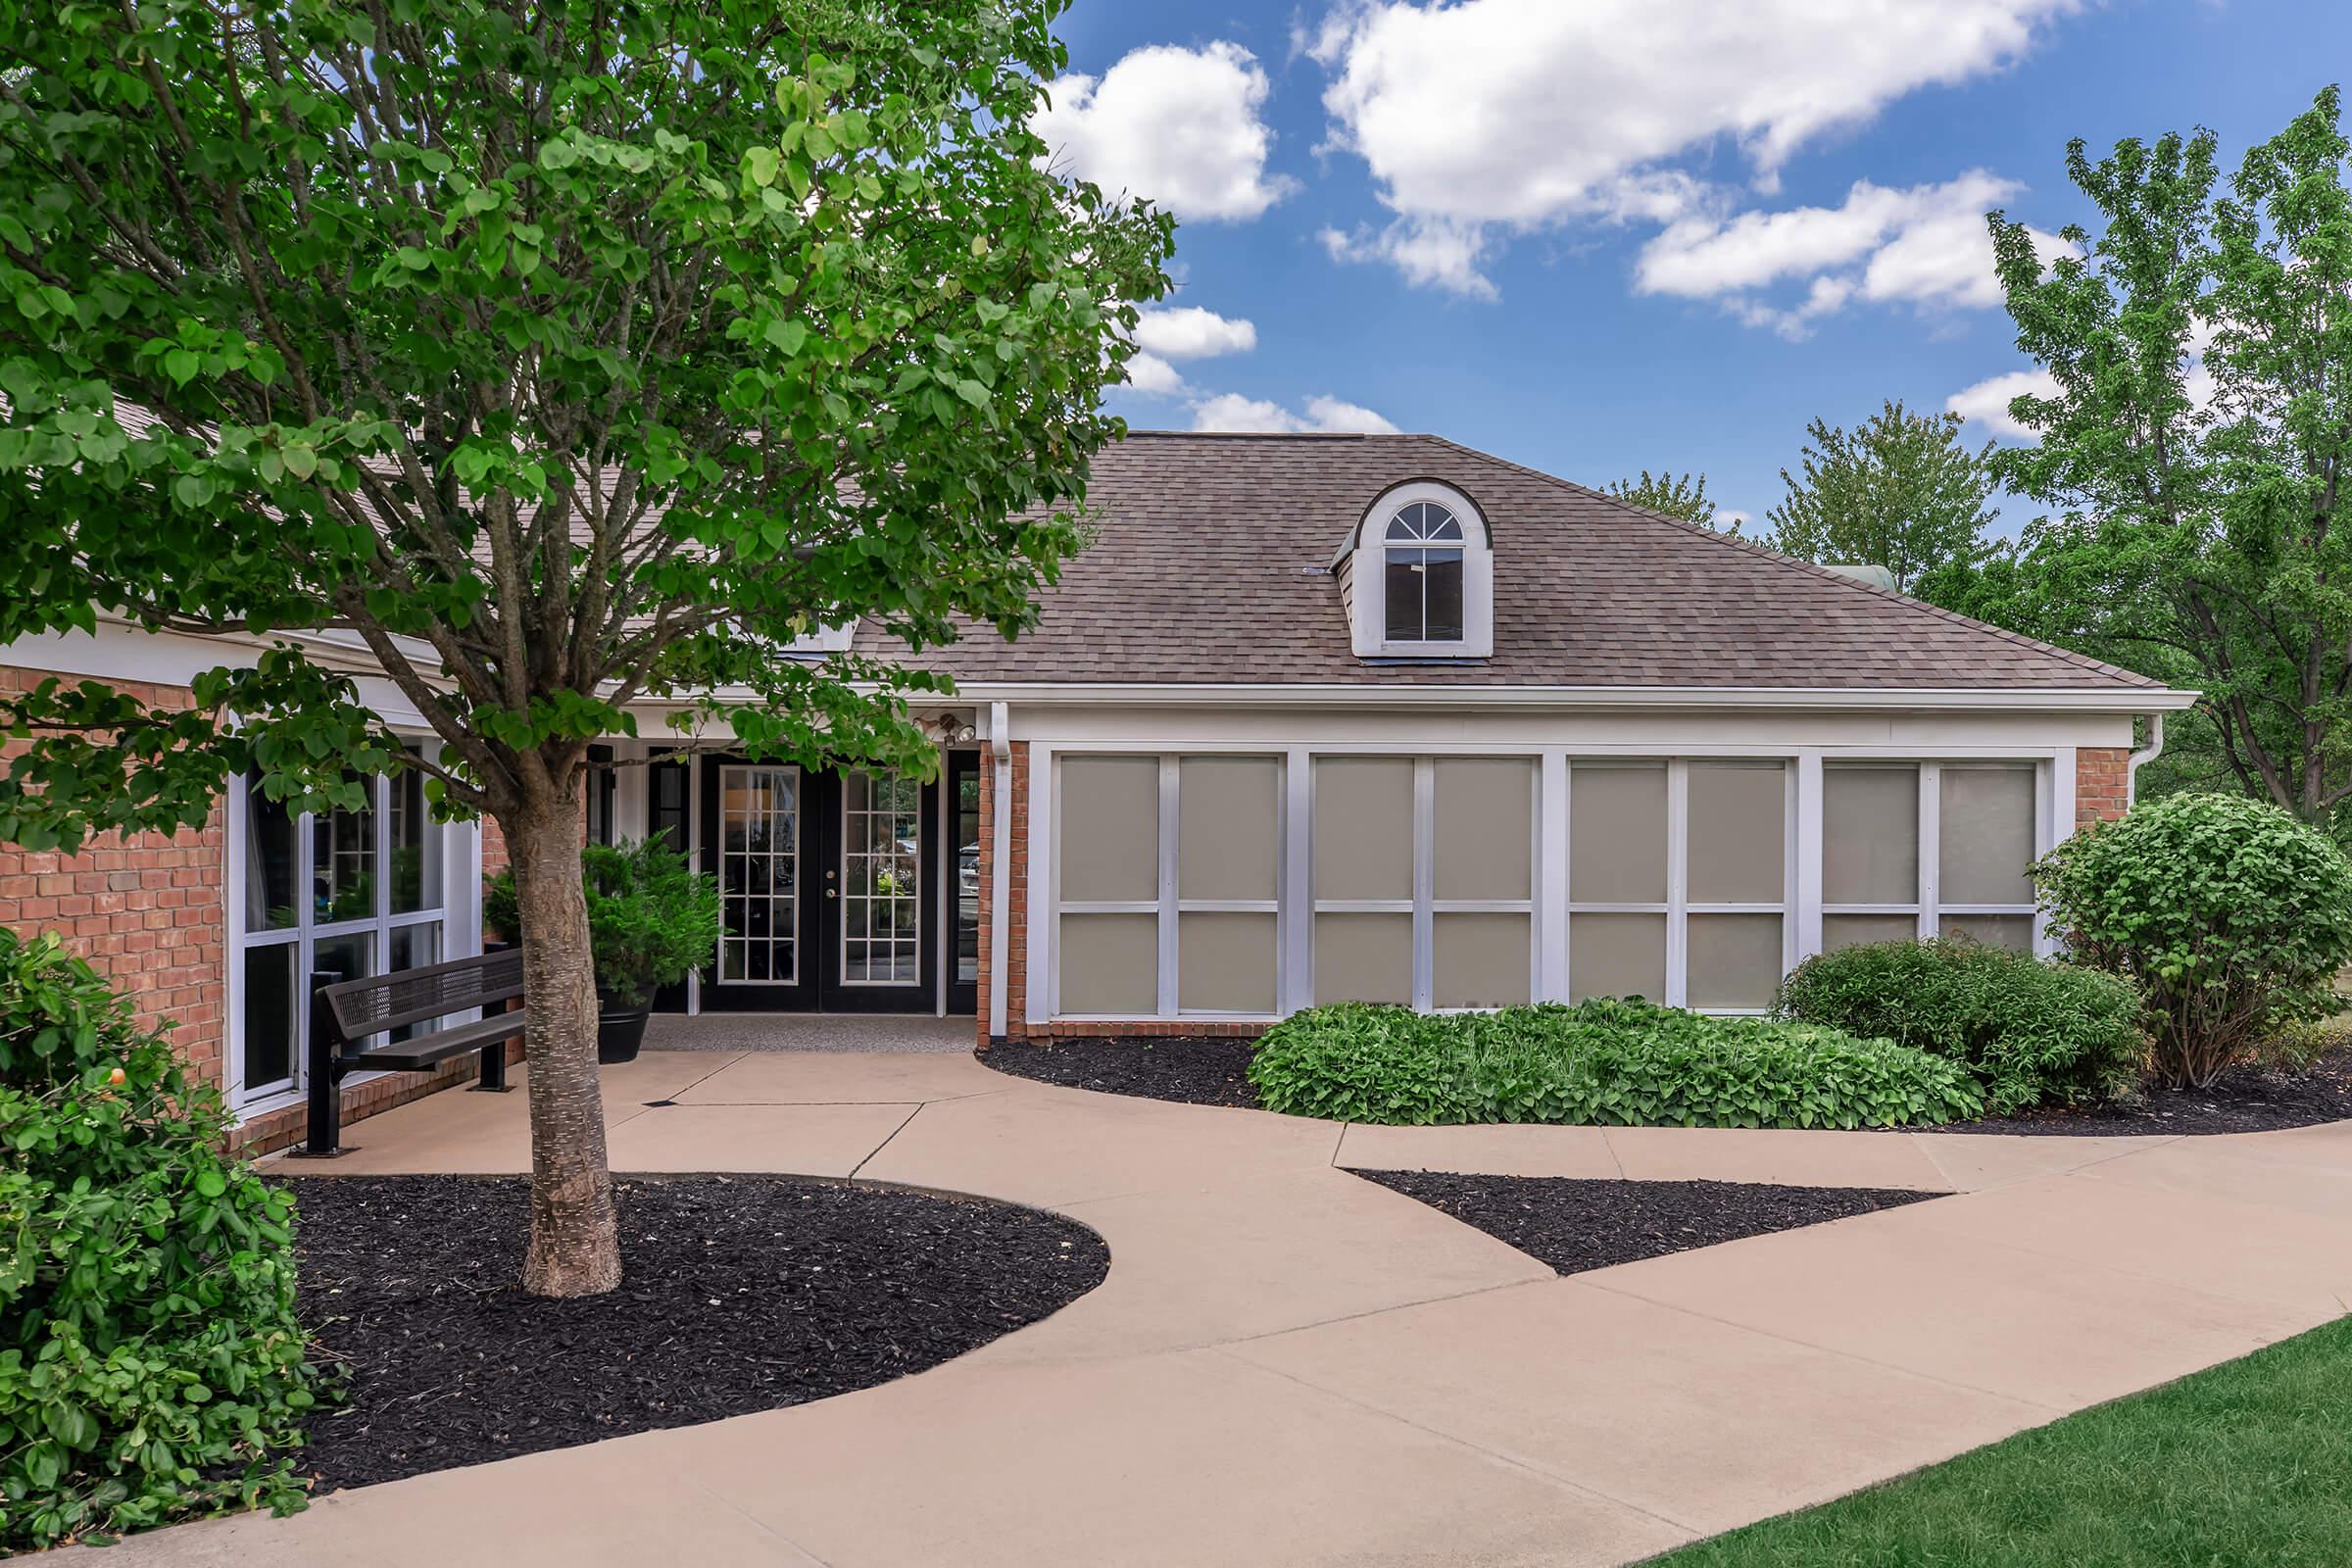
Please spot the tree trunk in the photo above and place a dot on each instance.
(575, 1238)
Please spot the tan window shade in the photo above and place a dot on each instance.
(1617, 955)
(1617, 835)
(1481, 961)
(1364, 827)
(1986, 828)
(1228, 838)
(1225, 962)
(1110, 964)
(1485, 834)
(1856, 930)
(1364, 958)
(1870, 835)
(1739, 833)
(2012, 931)
(1109, 829)
(1733, 960)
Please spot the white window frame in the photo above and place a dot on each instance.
(1369, 592)
(1927, 908)
(846, 855)
(458, 919)
(800, 870)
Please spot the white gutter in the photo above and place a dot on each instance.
(1000, 890)
(2146, 753)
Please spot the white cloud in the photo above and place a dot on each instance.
(1986, 405)
(1433, 254)
(1183, 127)
(1229, 411)
(1189, 332)
(1926, 246)
(1148, 373)
(1515, 115)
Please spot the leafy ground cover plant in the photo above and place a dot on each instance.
(2231, 916)
(2030, 1031)
(1603, 1062)
(151, 1366)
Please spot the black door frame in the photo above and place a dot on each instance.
(818, 986)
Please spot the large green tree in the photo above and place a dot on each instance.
(2194, 442)
(1900, 491)
(566, 354)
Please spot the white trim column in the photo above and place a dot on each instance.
(1552, 876)
(1810, 843)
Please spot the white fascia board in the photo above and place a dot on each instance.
(2102, 700)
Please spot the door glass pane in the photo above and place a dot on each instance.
(1109, 829)
(1617, 835)
(1363, 827)
(1228, 815)
(2012, 931)
(1734, 961)
(1870, 835)
(1985, 826)
(416, 845)
(1739, 832)
(1617, 955)
(881, 880)
(343, 864)
(1481, 961)
(1225, 962)
(967, 876)
(1483, 830)
(1855, 930)
(268, 1003)
(1110, 964)
(758, 874)
(1364, 958)
(270, 848)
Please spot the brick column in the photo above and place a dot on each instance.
(2102, 783)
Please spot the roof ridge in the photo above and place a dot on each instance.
(1779, 559)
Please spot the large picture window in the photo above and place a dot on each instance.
(1424, 574)
(338, 894)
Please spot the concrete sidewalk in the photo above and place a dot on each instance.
(1291, 1365)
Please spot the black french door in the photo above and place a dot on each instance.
(829, 897)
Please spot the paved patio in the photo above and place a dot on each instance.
(1290, 1365)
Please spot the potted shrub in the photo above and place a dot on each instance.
(651, 918)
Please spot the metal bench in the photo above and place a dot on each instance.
(347, 1013)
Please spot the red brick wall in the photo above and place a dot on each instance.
(2102, 783)
(146, 909)
(1016, 935)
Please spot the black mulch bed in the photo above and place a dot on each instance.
(740, 1293)
(1204, 1071)
(1195, 1069)
(1574, 1224)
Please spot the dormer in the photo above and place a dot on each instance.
(1417, 575)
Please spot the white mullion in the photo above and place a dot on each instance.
(1425, 792)
(1552, 884)
(1296, 980)
(1806, 844)
(1042, 998)
(1168, 955)
(1677, 878)
(1930, 847)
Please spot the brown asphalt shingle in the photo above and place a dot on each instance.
(1209, 568)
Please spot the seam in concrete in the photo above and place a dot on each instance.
(885, 1143)
(1927, 1145)
(1510, 1461)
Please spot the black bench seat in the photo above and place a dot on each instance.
(346, 1015)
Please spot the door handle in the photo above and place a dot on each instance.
(832, 893)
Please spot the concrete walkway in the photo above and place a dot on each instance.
(1290, 1365)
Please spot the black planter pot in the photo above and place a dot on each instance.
(619, 1030)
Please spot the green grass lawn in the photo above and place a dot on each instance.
(2246, 1463)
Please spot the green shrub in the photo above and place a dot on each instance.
(1601, 1062)
(151, 1366)
(651, 916)
(2231, 916)
(2030, 1031)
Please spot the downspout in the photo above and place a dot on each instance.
(2146, 753)
(1000, 891)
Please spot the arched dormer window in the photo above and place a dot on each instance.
(1423, 574)
(1417, 575)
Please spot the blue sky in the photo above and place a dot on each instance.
(1602, 235)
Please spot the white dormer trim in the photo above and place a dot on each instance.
(1363, 577)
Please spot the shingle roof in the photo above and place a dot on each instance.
(1210, 567)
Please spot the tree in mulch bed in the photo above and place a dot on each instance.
(741, 1294)
(1574, 1224)
(151, 1366)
